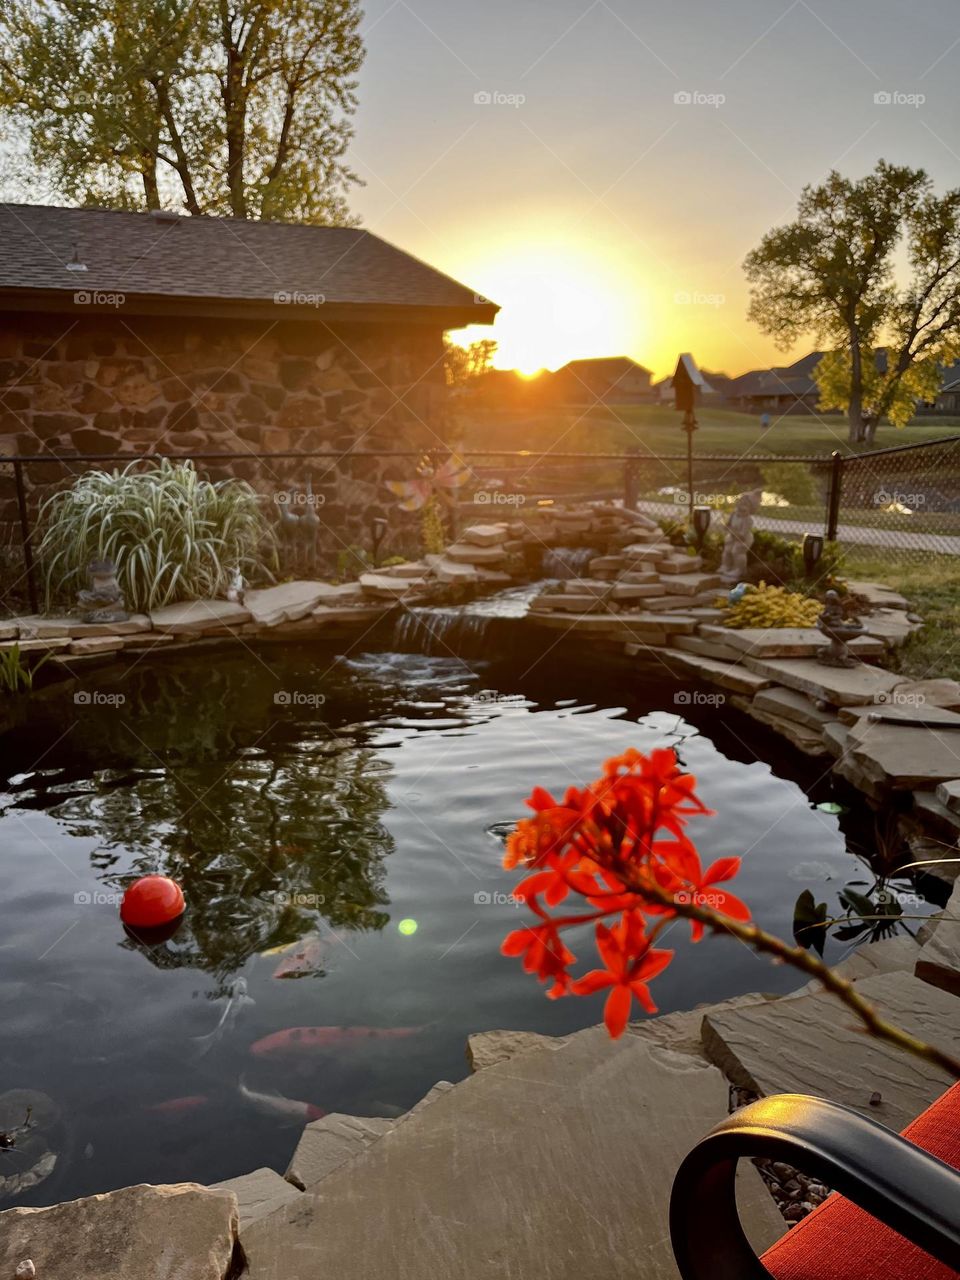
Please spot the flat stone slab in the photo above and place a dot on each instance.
(448, 1193)
(707, 648)
(810, 741)
(197, 616)
(487, 1048)
(467, 553)
(485, 535)
(892, 626)
(382, 586)
(644, 552)
(612, 590)
(788, 704)
(904, 756)
(182, 1231)
(878, 593)
(37, 628)
(689, 584)
(785, 642)
(725, 674)
(330, 1142)
(287, 602)
(408, 569)
(622, 625)
(259, 1194)
(939, 692)
(95, 645)
(451, 571)
(841, 686)
(948, 793)
(939, 961)
(812, 1044)
(889, 711)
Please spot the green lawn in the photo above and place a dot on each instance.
(932, 585)
(657, 428)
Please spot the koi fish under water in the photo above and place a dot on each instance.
(275, 1104)
(294, 1039)
(237, 999)
(301, 960)
(173, 1106)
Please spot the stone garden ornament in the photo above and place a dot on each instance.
(838, 631)
(103, 600)
(739, 536)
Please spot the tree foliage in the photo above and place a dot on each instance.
(465, 366)
(831, 273)
(231, 107)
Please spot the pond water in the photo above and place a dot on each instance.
(303, 795)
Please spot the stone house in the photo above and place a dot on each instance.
(613, 379)
(139, 333)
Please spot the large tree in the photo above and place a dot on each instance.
(833, 274)
(233, 107)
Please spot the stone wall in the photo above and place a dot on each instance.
(108, 383)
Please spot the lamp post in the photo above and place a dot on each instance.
(701, 523)
(378, 529)
(812, 551)
(687, 384)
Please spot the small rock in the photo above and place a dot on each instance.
(876, 1099)
(781, 1171)
(807, 1207)
(25, 1270)
(792, 1189)
(794, 1212)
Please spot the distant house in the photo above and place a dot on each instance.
(948, 401)
(783, 389)
(613, 379)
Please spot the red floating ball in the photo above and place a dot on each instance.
(151, 902)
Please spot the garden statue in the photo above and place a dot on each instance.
(103, 600)
(739, 536)
(838, 631)
(235, 591)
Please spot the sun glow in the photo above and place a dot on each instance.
(558, 302)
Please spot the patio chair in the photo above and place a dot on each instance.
(895, 1214)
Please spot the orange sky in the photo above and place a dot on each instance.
(601, 169)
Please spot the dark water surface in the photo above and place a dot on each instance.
(300, 794)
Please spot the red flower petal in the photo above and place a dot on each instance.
(722, 869)
(616, 1011)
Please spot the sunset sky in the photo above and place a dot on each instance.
(604, 216)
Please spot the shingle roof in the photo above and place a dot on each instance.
(211, 261)
(612, 367)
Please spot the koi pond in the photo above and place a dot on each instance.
(336, 819)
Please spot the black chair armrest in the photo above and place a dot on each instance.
(898, 1183)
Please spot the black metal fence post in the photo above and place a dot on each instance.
(834, 495)
(25, 535)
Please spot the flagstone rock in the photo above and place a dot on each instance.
(810, 741)
(785, 642)
(612, 590)
(330, 1142)
(198, 616)
(939, 960)
(939, 819)
(487, 1048)
(788, 704)
(892, 626)
(95, 645)
(39, 628)
(36, 628)
(811, 1044)
(906, 757)
(707, 648)
(643, 553)
(52, 645)
(841, 686)
(887, 711)
(878, 594)
(451, 572)
(284, 603)
(258, 1194)
(548, 1118)
(466, 553)
(640, 577)
(681, 564)
(409, 569)
(725, 674)
(948, 793)
(485, 535)
(689, 584)
(382, 587)
(358, 615)
(139, 1233)
(609, 565)
(9, 631)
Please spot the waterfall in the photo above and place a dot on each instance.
(567, 562)
(464, 630)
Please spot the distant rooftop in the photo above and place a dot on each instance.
(221, 266)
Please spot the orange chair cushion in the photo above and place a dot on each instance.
(840, 1241)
